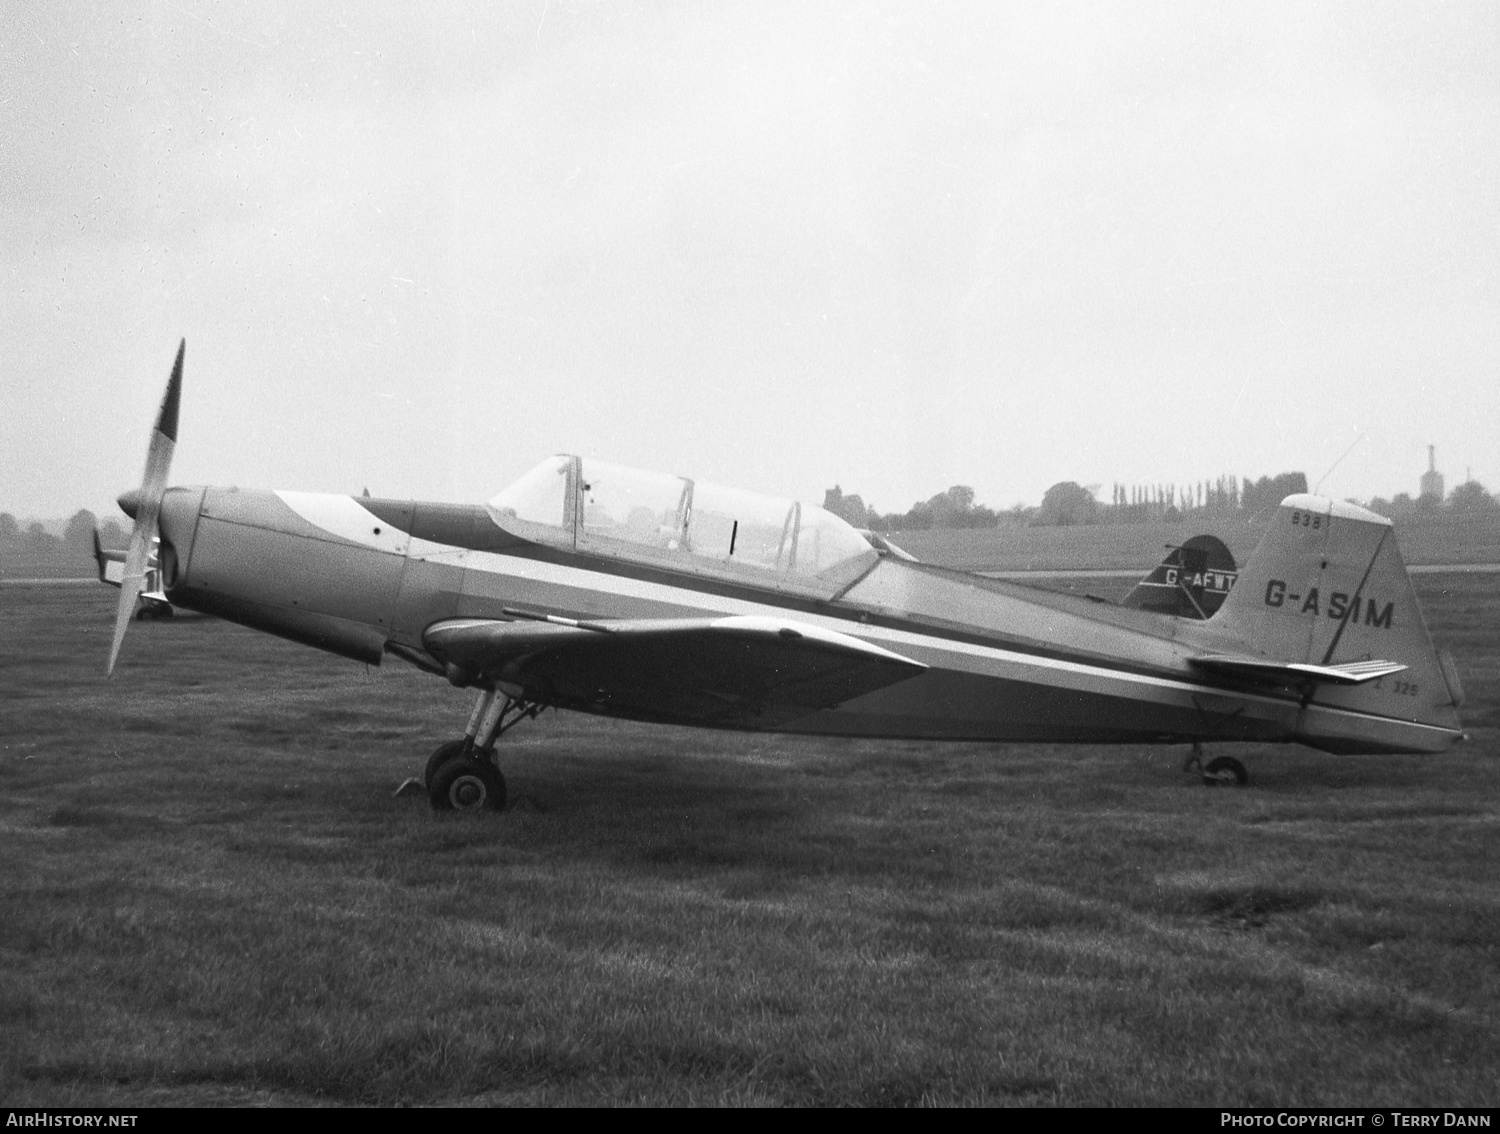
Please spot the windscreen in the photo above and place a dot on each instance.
(539, 497)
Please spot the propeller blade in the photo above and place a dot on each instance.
(146, 503)
(130, 590)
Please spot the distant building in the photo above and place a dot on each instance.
(1432, 480)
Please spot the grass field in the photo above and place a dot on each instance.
(211, 896)
(62, 563)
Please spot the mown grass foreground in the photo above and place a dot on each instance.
(209, 895)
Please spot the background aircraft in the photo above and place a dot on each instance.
(646, 596)
(153, 602)
(1191, 582)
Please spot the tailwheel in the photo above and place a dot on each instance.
(1225, 771)
(467, 784)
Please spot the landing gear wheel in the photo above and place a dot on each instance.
(440, 756)
(467, 785)
(1225, 771)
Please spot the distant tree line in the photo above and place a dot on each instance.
(78, 536)
(1225, 496)
(952, 509)
(1470, 500)
(1065, 503)
(1068, 502)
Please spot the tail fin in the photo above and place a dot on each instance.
(1327, 593)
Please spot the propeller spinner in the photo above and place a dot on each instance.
(144, 504)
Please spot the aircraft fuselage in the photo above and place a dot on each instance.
(365, 577)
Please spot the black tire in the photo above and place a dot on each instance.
(467, 785)
(1225, 771)
(440, 756)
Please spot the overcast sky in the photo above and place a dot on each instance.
(418, 247)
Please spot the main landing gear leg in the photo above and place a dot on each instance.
(1221, 771)
(447, 751)
(464, 775)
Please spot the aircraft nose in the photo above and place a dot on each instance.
(177, 524)
(179, 510)
(129, 502)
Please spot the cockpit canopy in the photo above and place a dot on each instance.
(630, 513)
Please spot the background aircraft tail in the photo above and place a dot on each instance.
(111, 563)
(1191, 582)
(1322, 601)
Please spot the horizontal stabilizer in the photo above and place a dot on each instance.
(751, 672)
(1264, 669)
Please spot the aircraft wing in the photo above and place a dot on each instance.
(744, 671)
(1265, 669)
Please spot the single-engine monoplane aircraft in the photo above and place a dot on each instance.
(652, 597)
